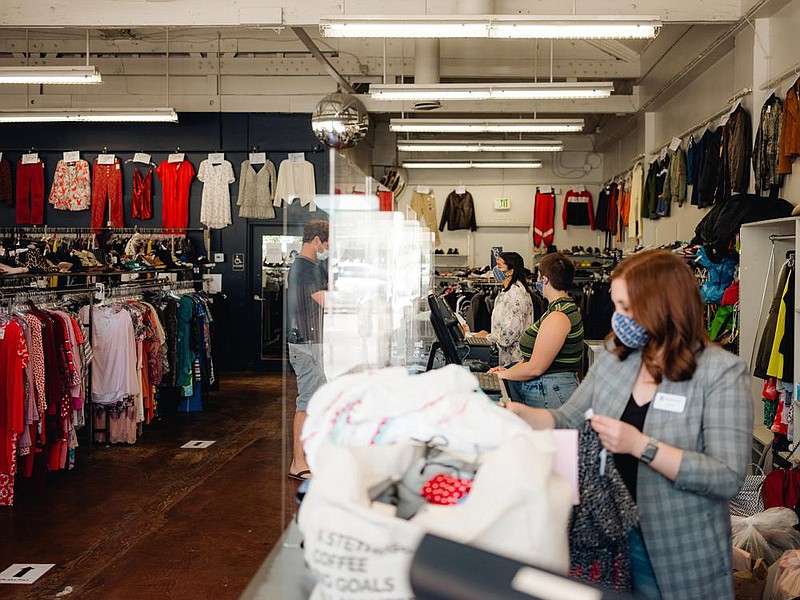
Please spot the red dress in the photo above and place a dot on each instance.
(13, 359)
(176, 180)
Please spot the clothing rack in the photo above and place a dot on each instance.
(45, 230)
(776, 238)
(123, 291)
(793, 70)
(732, 100)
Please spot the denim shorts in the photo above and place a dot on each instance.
(306, 360)
(551, 390)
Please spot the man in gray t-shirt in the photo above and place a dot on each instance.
(305, 302)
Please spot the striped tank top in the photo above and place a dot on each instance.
(569, 357)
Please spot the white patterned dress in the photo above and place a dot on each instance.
(511, 316)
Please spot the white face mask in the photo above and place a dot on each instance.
(323, 255)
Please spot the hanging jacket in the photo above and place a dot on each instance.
(710, 170)
(777, 364)
(699, 162)
(637, 191)
(790, 129)
(765, 149)
(649, 198)
(762, 357)
(661, 208)
(578, 209)
(675, 184)
(735, 155)
(459, 212)
(720, 276)
(691, 157)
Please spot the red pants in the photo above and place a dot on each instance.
(107, 184)
(30, 194)
(544, 213)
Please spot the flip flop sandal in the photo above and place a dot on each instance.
(299, 475)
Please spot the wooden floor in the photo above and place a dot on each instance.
(155, 521)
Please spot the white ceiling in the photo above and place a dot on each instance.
(216, 63)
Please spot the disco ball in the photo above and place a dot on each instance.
(340, 120)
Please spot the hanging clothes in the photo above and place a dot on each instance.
(735, 155)
(107, 189)
(458, 212)
(176, 181)
(637, 191)
(698, 163)
(624, 212)
(790, 130)
(708, 181)
(543, 221)
(662, 207)
(296, 180)
(71, 187)
(30, 193)
(142, 195)
(256, 191)
(766, 147)
(649, 196)
(578, 209)
(675, 184)
(691, 158)
(215, 207)
(424, 206)
(768, 334)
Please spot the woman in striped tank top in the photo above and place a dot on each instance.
(552, 348)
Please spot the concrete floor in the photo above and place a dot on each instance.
(155, 521)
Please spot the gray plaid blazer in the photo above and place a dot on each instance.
(685, 524)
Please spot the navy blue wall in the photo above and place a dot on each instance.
(196, 134)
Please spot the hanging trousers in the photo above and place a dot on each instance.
(107, 185)
(30, 194)
(544, 213)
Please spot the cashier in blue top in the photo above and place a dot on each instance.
(304, 303)
(552, 348)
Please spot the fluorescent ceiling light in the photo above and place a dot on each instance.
(492, 91)
(64, 75)
(486, 125)
(473, 165)
(115, 115)
(480, 146)
(491, 26)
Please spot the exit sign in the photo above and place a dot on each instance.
(502, 204)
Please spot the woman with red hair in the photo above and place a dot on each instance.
(676, 412)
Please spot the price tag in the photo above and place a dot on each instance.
(258, 158)
(176, 157)
(30, 159)
(106, 159)
(216, 157)
(1, 156)
(141, 157)
(423, 189)
(675, 144)
(663, 153)
(724, 119)
(297, 157)
(461, 190)
(73, 156)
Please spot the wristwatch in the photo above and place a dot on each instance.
(649, 452)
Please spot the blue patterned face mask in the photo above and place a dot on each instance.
(540, 286)
(499, 274)
(628, 331)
